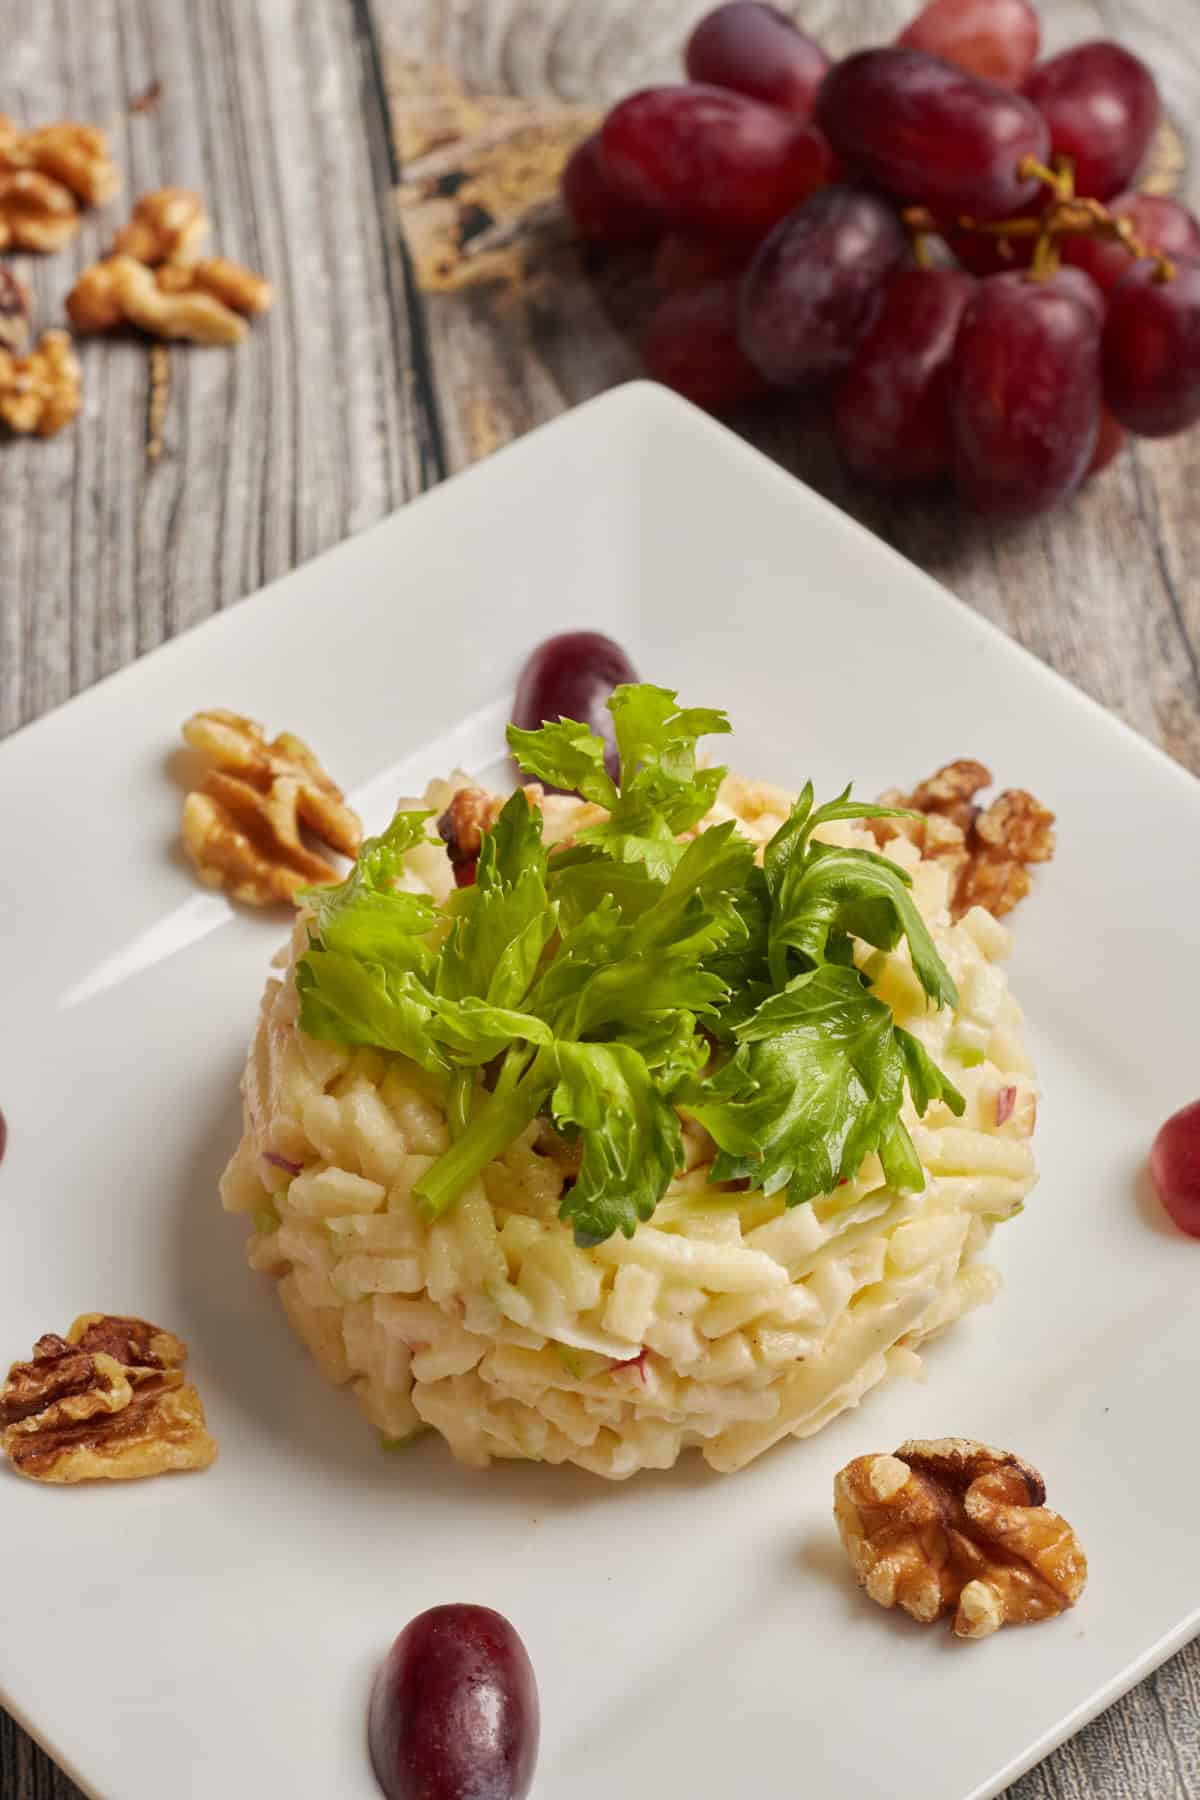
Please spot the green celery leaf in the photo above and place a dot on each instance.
(632, 1141)
(566, 755)
(926, 1082)
(670, 1045)
(346, 1001)
(496, 942)
(513, 846)
(829, 889)
(365, 915)
(473, 1032)
(814, 1087)
(656, 739)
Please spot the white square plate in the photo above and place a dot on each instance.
(693, 1634)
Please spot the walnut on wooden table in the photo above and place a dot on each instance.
(987, 851)
(204, 303)
(75, 156)
(108, 1402)
(952, 1526)
(16, 312)
(242, 826)
(36, 213)
(39, 393)
(167, 226)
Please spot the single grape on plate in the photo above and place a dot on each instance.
(1175, 1167)
(454, 1710)
(757, 50)
(570, 676)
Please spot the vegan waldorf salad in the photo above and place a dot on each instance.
(661, 1111)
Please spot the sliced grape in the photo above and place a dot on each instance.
(815, 286)
(757, 50)
(1160, 223)
(454, 1710)
(1152, 349)
(996, 39)
(891, 416)
(711, 161)
(571, 677)
(1102, 106)
(1025, 395)
(931, 133)
(690, 342)
(598, 205)
(682, 261)
(1175, 1167)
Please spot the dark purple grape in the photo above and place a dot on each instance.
(1102, 106)
(1175, 1167)
(1159, 223)
(599, 207)
(891, 417)
(1025, 397)
(757, 50)
(932, 133)
(571, 677)
(815, 286)
(454, 1710)
(682, 261)
(1152, 349)
(690, 343)
(995, 39)
(712, 161)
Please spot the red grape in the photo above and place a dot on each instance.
(1175, 1167)
(711, 161)
(683, 262)
(932, 133)
(1152, 349)
(1079, 283)
(599, 207)
(1024, 394)
(454, 1710)
(571, 677)
(1160, 223)
(757, 50)
(1109, 444)
(1102, 106)
(997, 39)
(891, 417)
(690, 342)
(815, 287)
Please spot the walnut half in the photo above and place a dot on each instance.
(204, 303)
(948, 1525)
(39, 392)
(242, 826)
(106, 1403)
(985, 850)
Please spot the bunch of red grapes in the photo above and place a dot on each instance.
(937, 239)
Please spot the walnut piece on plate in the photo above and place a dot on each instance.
(204, 303)
(39, 392)
(952, 1526)
(106, 1403)
(75, 156)
(36, 212)
(986, 850)
(242, 826)
(167, 226)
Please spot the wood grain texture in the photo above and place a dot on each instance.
(363, 387)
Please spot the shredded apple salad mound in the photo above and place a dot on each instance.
(684, 1124)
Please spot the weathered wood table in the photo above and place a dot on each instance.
(389, 168)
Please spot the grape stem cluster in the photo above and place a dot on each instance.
(1068, 215)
